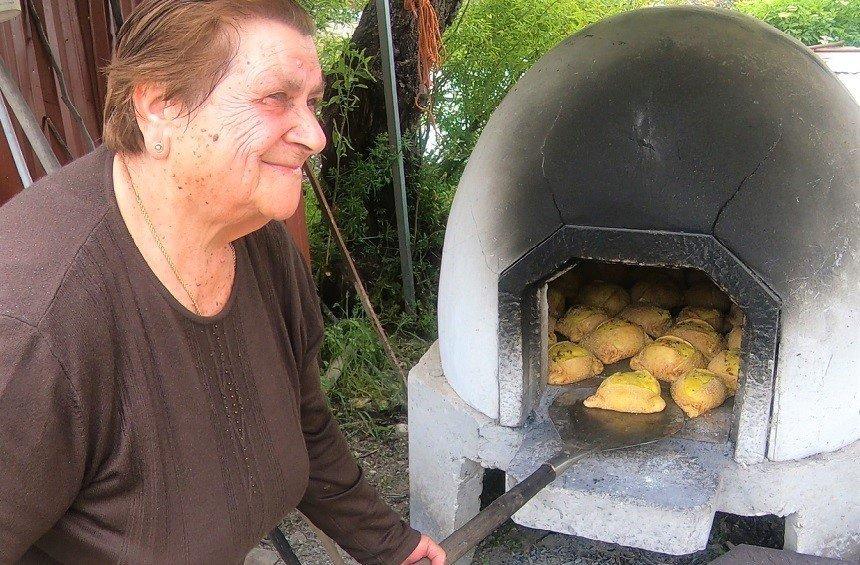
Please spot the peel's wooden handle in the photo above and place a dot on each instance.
(461, 541)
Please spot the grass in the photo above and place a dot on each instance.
(368, 397)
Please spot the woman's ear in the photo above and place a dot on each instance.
(154, 118)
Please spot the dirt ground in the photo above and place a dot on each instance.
(386, 464)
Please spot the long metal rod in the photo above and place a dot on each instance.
(386, 49)
(353, 273)
(116, 12)
(28, 122)
(58, 74)
(283, 547)
(14, 146)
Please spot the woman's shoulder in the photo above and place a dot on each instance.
(279, 252)
(273, 249)
(43, 231)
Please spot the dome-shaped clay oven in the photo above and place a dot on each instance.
(677, 120)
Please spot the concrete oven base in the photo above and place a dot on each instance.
(660, 498)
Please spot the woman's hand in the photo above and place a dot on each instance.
(429, 549)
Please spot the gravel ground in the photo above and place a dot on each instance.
(386, 463)
(515, 544)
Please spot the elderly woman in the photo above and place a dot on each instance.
(159, 390)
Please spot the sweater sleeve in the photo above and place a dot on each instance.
(338, 498)
(42, 442)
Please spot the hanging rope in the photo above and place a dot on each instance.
(429, 49)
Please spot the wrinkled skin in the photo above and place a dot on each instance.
(227, 167)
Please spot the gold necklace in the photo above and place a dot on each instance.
(158, 240)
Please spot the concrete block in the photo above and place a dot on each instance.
(658, 497)
(262, 556)
(661, 497)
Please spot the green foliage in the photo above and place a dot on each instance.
(810, 21)
(368, 394)
(488, 48)
(347, 72)
(364, 180)
(368, 391)
(332, 13)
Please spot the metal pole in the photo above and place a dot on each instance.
(28, 122)
(383, 17)
(283, 547)
(116, 12)
(353, 272)
(14, 146)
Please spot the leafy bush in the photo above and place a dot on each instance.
(365, 391)
(332, 13)
(429, 212)
(488, 48)
(810, 21)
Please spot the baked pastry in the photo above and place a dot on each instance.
(700, 334)
(706, 295)
(637, 392)
(569, 363)
(734, 337)
(551, 338)
(726, 365)
(667, 358)
(609, 297)
(654, 320)
(663, 293)
(555, 302)
(580, 320)
(710, 315)
(698, 391)
(615, 340)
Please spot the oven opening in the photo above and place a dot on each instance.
(664, 335)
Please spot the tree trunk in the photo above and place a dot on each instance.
(368, 120)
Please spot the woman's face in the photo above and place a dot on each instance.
(241, 152)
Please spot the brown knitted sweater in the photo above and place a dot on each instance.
(134, 431)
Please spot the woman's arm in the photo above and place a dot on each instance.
(338, 499)
(43, 446)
